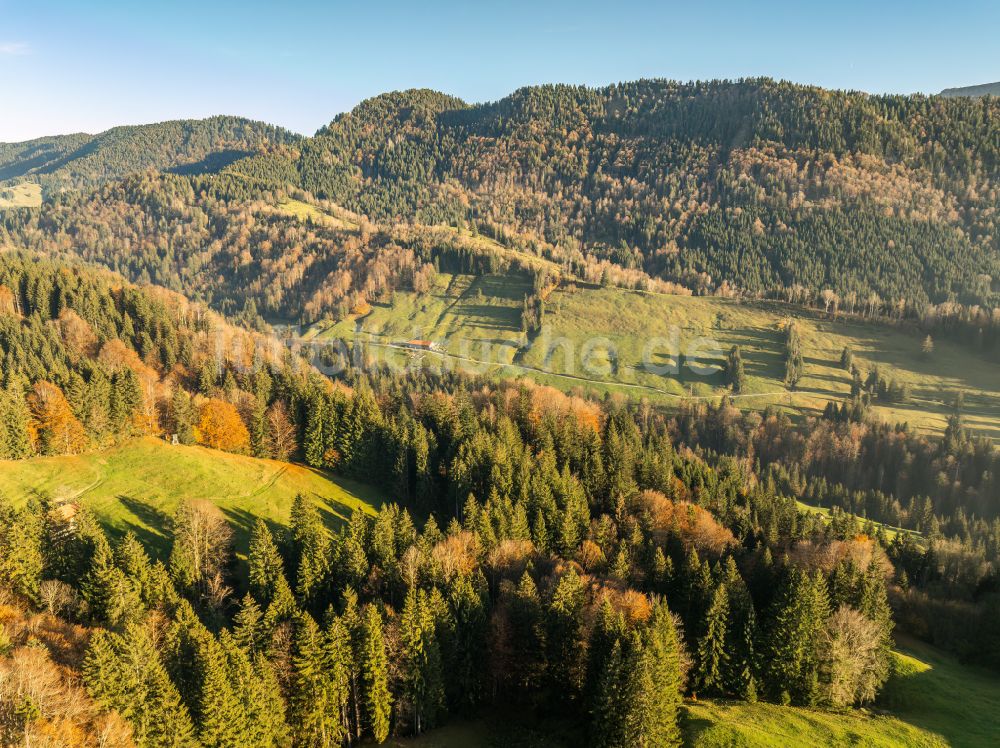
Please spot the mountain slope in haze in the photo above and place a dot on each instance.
(985, 89)
(193, 146)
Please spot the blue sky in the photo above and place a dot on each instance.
(86, 66)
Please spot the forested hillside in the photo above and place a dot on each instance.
(246, 252)
(758, 185)
(88, 360)
(81, 160)
(755, 183)
(751, 187)
(582, 560)
(585, 564)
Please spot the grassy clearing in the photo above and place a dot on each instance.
(890, 531)
(931, 700)
(629, 319)
(479, 319)
(472, 317)
(304, 211)
(137, 486)
(730, 724)
(23, 195)
(935, 692)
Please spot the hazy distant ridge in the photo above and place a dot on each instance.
(985, 89)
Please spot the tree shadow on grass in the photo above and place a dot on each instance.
(154, 530)
(693, 726)
(926, 698)
(491, 317)
(335, 515)
(242, 523)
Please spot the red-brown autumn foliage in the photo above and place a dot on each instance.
(77, 333)
(8, 301)
(115, 355)
(41, 669)
(590, 556)
(457, 554)
(510, 558)
(634, 605)
(694, 526)
(860, 550)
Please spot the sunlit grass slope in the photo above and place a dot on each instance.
(138, 485)
(479, 319)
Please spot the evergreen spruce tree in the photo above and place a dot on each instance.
(339, 667)
(267, 570)
(608, 628)
(15, 442)
(467, 657)
(565, 656)
(208, 377)
(21, 550)
(270, 702)
(248, 629)
(793, 356)
(182, 416)
(667, 677)
(745, 682)
(421, 663)
(608, 708)
(315, 708)
(873, 602)
(528, 631)
(375, 677)
(801, 610)
(113, 597)
(219, 714)
(126, 397)
(713, 658)
(124, 672)
(132, 559)
(735, 373)
(311, 551)
(257, 423)
(847, 358)
(313, 443)
(638, 696)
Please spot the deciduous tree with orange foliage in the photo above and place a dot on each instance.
(221, 427)
(53, 428)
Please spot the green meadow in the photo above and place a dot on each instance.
(306, 211)
(930, 700)
(22, 195)
(609, 339)
(936, 693)
(138, 486)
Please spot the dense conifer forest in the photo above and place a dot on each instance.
(597, 558)
(759, 184)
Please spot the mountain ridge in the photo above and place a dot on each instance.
(81, 159)
(755, 185)
(982, 89)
